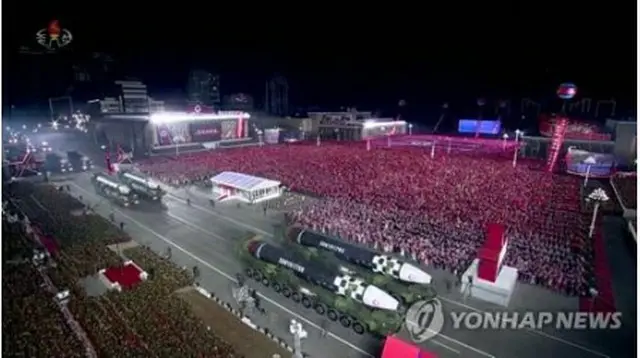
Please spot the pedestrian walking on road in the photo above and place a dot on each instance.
(121, 226)
(188, 202)
(447, 283)
(323, 328)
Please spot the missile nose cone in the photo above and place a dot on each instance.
(377, 298)
(413, 274)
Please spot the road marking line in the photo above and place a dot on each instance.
(229, 277)
(445, 346)
(223, 217)
(532, 331)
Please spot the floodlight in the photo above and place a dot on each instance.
(371, 124)
(181, 117)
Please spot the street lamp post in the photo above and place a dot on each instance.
(516, 148)
(589, 162)
(504, 141)
(594, 295)
(299, 333)
(433, 149)
(410, 129)
(598, 196)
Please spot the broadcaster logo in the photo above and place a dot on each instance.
(425, 319)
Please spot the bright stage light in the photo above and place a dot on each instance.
(181, 117)
(371, 124)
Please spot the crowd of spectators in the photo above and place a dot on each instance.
(627, 188)
(146, 321)
(432, 209)
(32, 324)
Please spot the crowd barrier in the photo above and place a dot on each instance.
(246, 320)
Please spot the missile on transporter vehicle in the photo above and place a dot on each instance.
(336, 282)
(373, 261)
(142, 184)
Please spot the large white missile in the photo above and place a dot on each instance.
(378, 263)
(334, 280)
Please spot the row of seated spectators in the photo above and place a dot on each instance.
(626, 184)
(32, 324)
(118, 324)
(435, 210)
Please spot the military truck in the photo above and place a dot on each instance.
(57, 163)
(326, 290)
(143, 185)
(80, 161)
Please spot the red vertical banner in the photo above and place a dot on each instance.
(240, 127)
(557, 139)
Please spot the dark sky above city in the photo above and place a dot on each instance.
(467, 49)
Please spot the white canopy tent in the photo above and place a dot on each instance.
(244, 187)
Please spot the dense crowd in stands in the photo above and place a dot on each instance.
(434, 210)
(146, 321)
(32, 324)
(627, 187)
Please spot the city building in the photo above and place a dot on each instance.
(203, 88)
(127, 97)
(277, 96)
(134, 96)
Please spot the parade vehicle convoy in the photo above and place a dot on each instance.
(79, 161)
(405, 281)
(324, 289)
(110, 187)
(142, 185)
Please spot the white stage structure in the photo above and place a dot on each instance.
(498, 292)
(244, 187)
(486, 278)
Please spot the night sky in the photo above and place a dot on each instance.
(365, 55)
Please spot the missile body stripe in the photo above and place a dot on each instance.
(348, 252)
(307, 270)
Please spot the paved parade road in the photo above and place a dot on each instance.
(204, 236)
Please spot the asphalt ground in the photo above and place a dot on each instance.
(205, 236)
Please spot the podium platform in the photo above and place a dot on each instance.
(498, 292)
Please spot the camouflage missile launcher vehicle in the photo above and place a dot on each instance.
(404, 281)
(323, 289)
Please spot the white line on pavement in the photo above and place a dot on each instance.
(437, 343)
(532, 331)
(229, 277)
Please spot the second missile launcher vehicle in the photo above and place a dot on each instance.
(405, 281)
(324, 289)
(142, 185)
(111, 188)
